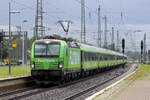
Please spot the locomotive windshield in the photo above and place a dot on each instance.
(46, 50)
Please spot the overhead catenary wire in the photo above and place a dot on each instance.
(92, 18)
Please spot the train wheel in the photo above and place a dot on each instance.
(66, 79)
(78, 75)
(62, 81)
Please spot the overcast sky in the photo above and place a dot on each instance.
(135, 16)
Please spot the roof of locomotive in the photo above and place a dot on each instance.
(47, 40)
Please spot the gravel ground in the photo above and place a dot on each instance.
(63, 92)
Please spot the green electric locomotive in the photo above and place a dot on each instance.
(58, 61)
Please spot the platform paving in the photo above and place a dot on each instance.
(136, 87)
(138, 90)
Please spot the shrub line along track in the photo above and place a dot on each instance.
(72, 97)
(27, 92)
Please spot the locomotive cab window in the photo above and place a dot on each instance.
(46, 50)
(40, 49)
(53, 49)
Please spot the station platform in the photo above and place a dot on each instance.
(138, 90)
(11, 78)
(134, 87)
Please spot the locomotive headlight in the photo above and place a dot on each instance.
(32, 65)
(60, 65)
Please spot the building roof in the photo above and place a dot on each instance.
(5, 28)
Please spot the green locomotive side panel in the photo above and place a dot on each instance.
(74, 60)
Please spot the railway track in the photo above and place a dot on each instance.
(25, 92)
(87, 90)
(15, 92)
(31, 91)
(74, 96)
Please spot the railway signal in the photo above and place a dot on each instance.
(149, 55)
(1, 37)
(123, 45)
(142, 46)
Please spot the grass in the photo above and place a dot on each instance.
(143, 71)
(16, 71)
(144, 67)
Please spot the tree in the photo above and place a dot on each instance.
(4, 52)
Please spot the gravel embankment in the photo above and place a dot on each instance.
(63, 92)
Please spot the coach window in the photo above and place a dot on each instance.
(96, 57)
(89, 57)
(92, 56)
(109, 57)
(99, 57)
(84, 56)
(112, 57)
(105, 58)
(66, 51)
(102, 58)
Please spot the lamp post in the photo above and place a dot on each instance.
(10, 12)
(23, 47)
